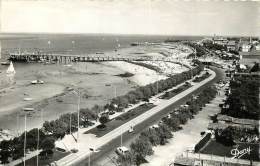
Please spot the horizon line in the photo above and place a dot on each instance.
(122, 34)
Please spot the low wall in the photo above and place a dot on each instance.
(202, 142)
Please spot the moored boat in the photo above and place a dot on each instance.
(5, 63)
(37, 82)
(10, 70)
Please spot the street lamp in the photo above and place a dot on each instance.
(24, 146)
(78, 108)
(38, 139)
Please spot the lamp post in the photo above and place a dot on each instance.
(70, 123)
(78, 108)
(24, 146)
(38, 139)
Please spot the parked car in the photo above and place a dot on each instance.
(122, 150)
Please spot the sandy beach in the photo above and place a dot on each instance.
(97, 82)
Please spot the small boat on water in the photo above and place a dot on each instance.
(10, 69)
(68, 65)
(28, 109)
(99, 52)
(27, 99)
(37, 82)
(5, 63)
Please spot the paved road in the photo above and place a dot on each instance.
(104, 157)
(76, 159)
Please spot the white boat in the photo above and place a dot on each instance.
(5, 63)
(37, 82)
(10, 69)
(27, 99)
(28, 109)
(68, 65)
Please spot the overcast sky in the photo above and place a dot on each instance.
(131, 17)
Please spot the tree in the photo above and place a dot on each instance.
(152, 135)
(225, 136)
(32, 138)
(56, 128)
(17, 147)
(97, 109)
(126, 160)
(103, 120)
(87, 114)
(141, 148)
(164, 133)
(5, 151)
(173, 123)
(47, 145)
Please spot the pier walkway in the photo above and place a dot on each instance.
(63, 58)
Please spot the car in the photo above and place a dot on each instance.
(154, 126)
(74, 150)
(122, 150)
(111, 112)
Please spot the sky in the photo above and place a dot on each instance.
(163, 17)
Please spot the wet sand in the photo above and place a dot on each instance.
(52, 97)
(96, 81)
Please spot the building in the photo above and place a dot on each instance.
(231, 45)
(246, 47)
(257, 47)
(249, 58)
(220, 40)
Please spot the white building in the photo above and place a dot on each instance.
(246, 47)
(220, 40)
(231, 45)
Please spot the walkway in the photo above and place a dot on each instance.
(83, 153)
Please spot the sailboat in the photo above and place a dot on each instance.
(10, 70)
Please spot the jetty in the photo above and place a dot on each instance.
(63, 58)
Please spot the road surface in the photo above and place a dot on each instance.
(77, 158)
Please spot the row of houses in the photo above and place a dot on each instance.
(234, 44)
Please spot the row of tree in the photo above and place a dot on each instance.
(36, 138)
(67, 123)
(45, 137)
(144, 93)
(243, 101)
(159, 135)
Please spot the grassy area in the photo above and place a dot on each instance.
(118, 121)
(219, 149)
(174, 92)
(45, 161)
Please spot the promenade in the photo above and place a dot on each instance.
(84, 151)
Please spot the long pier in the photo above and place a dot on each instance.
(63, 58)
